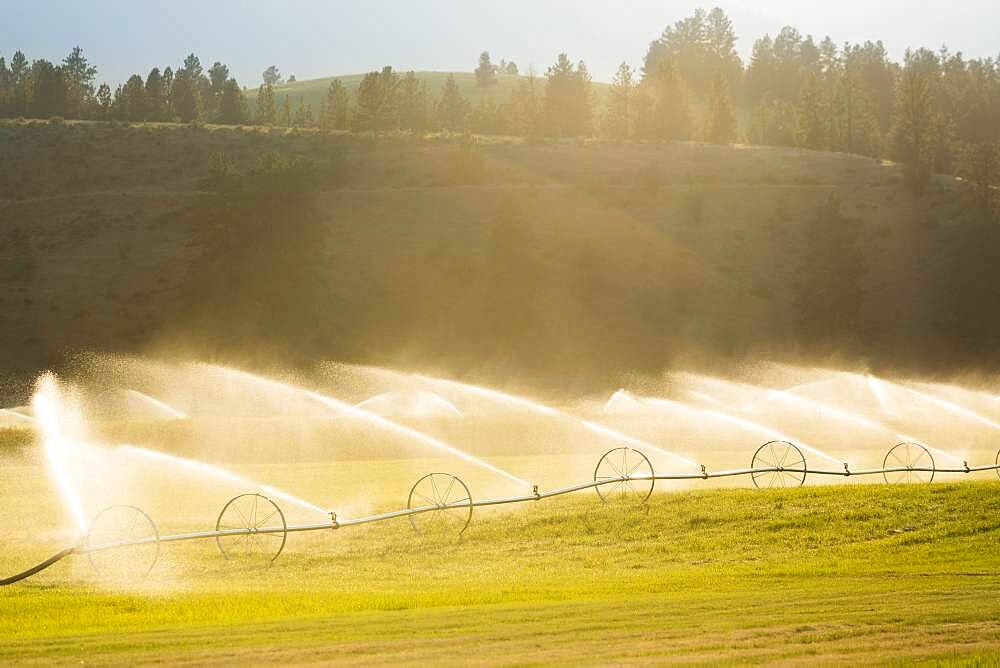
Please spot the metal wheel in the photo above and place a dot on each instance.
(779, 456)
(448, 500)
(627, 475)
(122, 543)
(909, 456)
(258, 527)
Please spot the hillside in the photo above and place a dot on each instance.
(566, 263)
(313, 91)
(815, 574)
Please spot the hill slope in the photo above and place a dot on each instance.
(562, 263)
(313, 91)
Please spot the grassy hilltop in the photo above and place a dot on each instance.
(846, 573)
(313, 91)
(563, 262)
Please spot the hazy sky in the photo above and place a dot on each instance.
(313, 38)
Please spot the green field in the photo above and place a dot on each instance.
(846, 573)
(313, 91)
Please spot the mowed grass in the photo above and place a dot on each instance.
(852, 573)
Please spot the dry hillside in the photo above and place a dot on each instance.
(565, 262)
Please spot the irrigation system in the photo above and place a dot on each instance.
(253, 525)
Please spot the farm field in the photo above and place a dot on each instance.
(820, 573)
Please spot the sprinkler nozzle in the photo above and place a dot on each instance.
(534, 490)
(966, 465)
(704, 473)
(333, 520)
(847, 471)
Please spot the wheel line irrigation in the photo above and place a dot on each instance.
(445, 493)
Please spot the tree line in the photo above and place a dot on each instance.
(935, 111)
(188, 93)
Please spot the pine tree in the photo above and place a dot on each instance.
(856, 125)
(119, 108)
(267, 112)
(218, 75)
(103, 102)
(285, 115)
(413, 101)
(19, 77)
(377, 108)
(566, 107)
(6, 89)
(155, 100)
(185, 98)
(168, 84)
(48, 90)
(452, 107)
(231, 104)
(980, 164)
(644, 118)
(618, 117)
(914, 131)
(486, 119)
(522, 109)
(720, 121)
(335, 116)
(134, 99)
(78, 75)
(192, 66)
(303, 114)
(271, 76)
(812, 121)
(486, 73)
(773, 122)
(671, 119)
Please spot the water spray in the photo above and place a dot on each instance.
(950, 456)
(875, 385)
(833, 411)
(17, 415)
(771, 433)
(343, 407)
(542, 409)
(954, 408)
(706, 397)
(214, 471)
(45, 405)
(156, 403)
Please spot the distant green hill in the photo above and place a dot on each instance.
(314, 91)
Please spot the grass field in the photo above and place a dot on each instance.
(847, 573)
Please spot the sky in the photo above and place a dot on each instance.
(316, 38)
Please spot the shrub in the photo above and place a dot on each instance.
(57, 121)
(220, 167)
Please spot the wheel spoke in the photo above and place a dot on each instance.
(614, 468)
(447, 492)
(264, 521)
